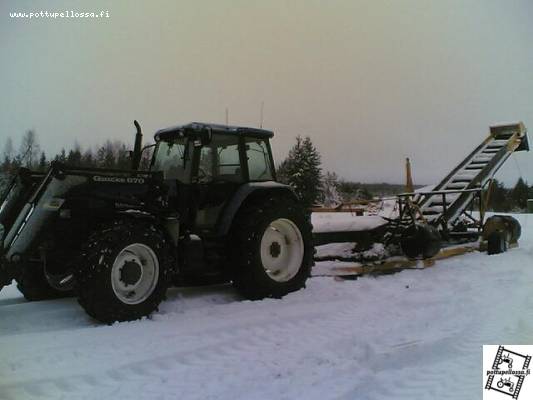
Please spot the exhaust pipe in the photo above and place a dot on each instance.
(137, 149)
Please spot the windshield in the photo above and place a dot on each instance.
(173, 159)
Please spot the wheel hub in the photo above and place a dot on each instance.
(282, 250)
(275, 249)
(130, 273)
(135, 273)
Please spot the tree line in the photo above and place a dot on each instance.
(504, 199)
(111, 155)
(301, 169)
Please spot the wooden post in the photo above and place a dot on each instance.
(409, 187)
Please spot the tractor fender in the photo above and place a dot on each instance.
(245, 192)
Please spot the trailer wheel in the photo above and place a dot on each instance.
(271, 247)
(514, 228)
(502, 223)
(497, 243)
(34, 285)
(421, 241)
(124, 273)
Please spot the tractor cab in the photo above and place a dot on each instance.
(204, 165)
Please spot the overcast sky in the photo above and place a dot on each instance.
(371, 82)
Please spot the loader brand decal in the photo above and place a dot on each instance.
(506, 372)
(118, 179)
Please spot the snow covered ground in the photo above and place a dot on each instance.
(413, 335)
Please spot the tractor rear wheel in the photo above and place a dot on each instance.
(272, 248)
(124, 273)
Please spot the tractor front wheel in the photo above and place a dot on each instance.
(124, 273)
(34, 284)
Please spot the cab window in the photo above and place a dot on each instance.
(173, 158)
(220, 160)
(259, 163)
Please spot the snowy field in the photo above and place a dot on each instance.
(414, 335)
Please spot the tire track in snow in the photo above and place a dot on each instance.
(227, 345)
(465, 350)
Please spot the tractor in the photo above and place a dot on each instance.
(207, 210)
(506, 383)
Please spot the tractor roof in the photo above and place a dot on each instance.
(201, 127)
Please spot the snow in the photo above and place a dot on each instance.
(350, 251)
(376, 251)
(344, 221)
(342, 250)
(417, 334)
(483, 157)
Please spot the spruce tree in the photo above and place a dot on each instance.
(106, 156)
(123, 158)
(43, 163)
(74, 156)
(7, 159)
(519, 195)
(498, 197)
(330, 193)
(62, 156)
(87, 160)
(302, 170)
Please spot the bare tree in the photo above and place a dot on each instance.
(8, 149)
(29, 149)
(330, 194)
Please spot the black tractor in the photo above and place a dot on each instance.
(207, 210)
